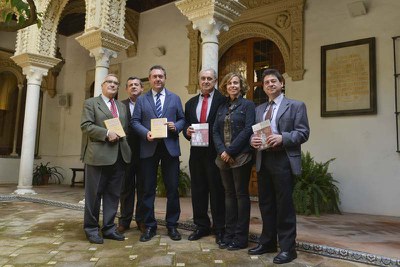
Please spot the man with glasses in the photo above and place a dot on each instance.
(205, 177)
(105, 155)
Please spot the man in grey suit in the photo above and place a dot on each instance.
(277, 166)
(159, 103)
(105, 155)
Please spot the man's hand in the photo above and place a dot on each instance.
(190, 131)
(171, 126)
(149, 137)
(255, 141)
(112, 137)
(226, 157)
(274, 140)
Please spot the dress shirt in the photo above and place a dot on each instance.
(275, 106)
(131, 106)
(200, 103)
(108, 103)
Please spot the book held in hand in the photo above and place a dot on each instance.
(200, 136)
(114, 125)
(263, 130)
(158, 128)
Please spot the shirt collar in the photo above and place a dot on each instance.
(155, 93)
(278, 99)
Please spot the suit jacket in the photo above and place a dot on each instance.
(292, 124)
(132, 137)
(191, 117)
(98, 151)
(145, 110)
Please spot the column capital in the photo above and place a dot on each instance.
(102, 56)
(217, 14)
(99, 38)
(35, 66)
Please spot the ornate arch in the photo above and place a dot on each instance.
(249, 30)
(6, 64)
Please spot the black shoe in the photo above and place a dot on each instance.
(219, 237)
(147, 235)
(95, 239)
(235, 246)
(115, 236)
(261, 249)
(174, 234)
(285, 256)
(223, 245)
(197, 234)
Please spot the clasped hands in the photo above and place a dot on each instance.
(273, 140)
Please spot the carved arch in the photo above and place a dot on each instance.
(7, 65)
(249, 30)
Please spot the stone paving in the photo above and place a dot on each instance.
(46, 230)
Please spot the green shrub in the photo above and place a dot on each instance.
(43, 173)
(315, 190)
(183, 185)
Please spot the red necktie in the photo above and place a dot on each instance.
(113, 108)
(204, 107)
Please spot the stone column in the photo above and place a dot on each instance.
(210, 17)
(14, 153)
(102, 46)
(34, 67)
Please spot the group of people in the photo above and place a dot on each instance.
(116, 166)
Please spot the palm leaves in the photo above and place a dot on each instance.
(315, 190)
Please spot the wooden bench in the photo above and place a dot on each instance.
(74, 171)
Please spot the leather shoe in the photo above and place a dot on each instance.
(197, 234)
(121, 229)
(223, 245)
(219, 237)
(95, 239)
(261, 249)
(285, 257)
(115, 236)
(235, 246)
(174, 234)
(147, 235)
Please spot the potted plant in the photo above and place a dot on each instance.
(315, 190)
(183, 184)
(43, 173)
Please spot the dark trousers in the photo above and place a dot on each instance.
(207, 187)
(170, 174)
(275, 188)
(102, 183)
(132, 182)
(237, 203)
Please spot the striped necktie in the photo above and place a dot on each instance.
(158, 105)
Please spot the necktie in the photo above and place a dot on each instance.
(204, 107)
(268, 116)
(158, 105)
(113, 108)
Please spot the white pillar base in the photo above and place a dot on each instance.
(24, 191)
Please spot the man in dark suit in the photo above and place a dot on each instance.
(159, 103)
(277, 166)
(132, 181)
(105, 155)
(205, 177)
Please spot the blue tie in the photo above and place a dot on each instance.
(158, 105)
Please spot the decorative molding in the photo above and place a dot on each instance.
(194, 59)
(29, 59)
(131, 31)
(101, 38)
(6, 64)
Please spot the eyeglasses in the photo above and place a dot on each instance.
(209, 79)
(113, 82)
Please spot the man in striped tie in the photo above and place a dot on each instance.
(159, 103)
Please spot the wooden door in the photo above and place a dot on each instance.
(250, 58)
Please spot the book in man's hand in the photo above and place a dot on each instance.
(114, 125)
(200, 136)
(158, 128)
(262, 130)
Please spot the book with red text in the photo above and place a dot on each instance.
(200, 136)
(263, 130)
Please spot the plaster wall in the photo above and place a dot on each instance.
(367, 165)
